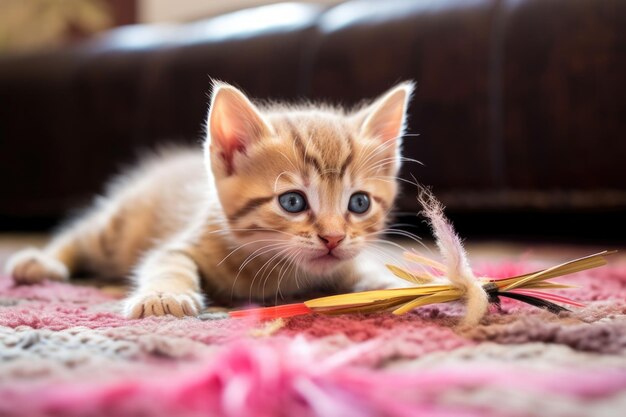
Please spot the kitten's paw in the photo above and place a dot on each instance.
(31, 266)
(156, 303)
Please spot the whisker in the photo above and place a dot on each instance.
(404, 213)
(388, 242)
(295, 254)
(294, 268)
(247, 244)
(380, 257)
(378, 149)
(299, 270)
(383, 257)
(256, 274)
(250, 258)
(288, 159)
(402, 233)
(381, 147)
(272, 258)
(391, 179)
(278, 178)
(390, 257)
(269, 274)
(369, 153)
(390, 161)
(403, 249)
(398, 158)
(261, 251)
(301, 164)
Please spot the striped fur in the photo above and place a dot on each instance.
(185, 224)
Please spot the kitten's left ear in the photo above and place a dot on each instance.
(385, 119)
(234, 124)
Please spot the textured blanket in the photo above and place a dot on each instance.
(65, 351)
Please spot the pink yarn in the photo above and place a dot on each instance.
(408, 336)
(314, 365)
(59, 316)
(281, 378)
(52, 291)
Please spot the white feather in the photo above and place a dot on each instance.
(458, 270)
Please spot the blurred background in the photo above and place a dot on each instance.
(520, 106)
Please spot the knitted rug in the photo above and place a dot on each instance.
(65, 351)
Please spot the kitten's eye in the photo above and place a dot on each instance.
(293, 202)
(359, 203)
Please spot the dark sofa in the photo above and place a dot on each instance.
(519, 106)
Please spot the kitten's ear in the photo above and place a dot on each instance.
(234, 124)
(385, 119)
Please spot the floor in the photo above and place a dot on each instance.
(64, 348)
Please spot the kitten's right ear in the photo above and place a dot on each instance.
(234, 124)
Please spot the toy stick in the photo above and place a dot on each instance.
(456, 283)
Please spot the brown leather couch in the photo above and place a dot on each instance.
(520, 104)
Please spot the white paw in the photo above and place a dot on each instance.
(31, 266)
(157, 303)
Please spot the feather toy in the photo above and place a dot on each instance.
(441, 282)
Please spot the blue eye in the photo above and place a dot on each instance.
(293, 202)
(359, 203)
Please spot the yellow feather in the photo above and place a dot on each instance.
(442, 297)
(423, 260)
(409, 276)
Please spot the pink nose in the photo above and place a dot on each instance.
(332, 241)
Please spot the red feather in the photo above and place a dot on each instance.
(268, 313)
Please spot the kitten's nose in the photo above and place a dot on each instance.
(332, 241)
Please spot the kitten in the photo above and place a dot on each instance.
(281, 201)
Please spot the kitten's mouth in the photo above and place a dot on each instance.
(327, 261)
(331, 257)
(327, 257)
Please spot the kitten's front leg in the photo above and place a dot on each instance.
(167, 282)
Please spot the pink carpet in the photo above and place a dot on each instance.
(65, 351)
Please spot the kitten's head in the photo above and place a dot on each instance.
(311, 183)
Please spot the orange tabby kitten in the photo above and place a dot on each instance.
(281, 201)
